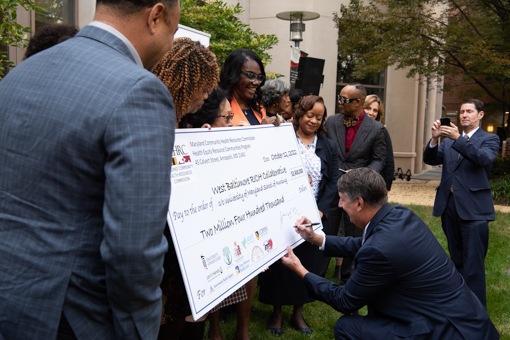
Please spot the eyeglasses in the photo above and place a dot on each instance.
(228, 117)
(344, 100)
(253, 76)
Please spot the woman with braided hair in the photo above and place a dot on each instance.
(190, 72)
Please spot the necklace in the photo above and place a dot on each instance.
(308, 146)
(245, 111)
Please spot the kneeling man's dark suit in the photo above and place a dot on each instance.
(406, 279)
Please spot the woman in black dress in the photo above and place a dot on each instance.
(279, 285)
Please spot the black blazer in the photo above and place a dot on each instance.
(405, 278)
(326, 150)
(388, 171)
(368, 148)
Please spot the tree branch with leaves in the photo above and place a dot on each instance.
(227, 31)
(11, 32)
(431, 38)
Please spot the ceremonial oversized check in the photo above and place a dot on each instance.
(236, 195)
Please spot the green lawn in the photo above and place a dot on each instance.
(322, 318)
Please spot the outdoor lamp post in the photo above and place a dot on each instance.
(297, 27)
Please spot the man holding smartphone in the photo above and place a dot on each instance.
(463, 198)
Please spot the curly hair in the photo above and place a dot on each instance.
(48, 36)
(373, 98)
(231, 70)
(305, 105)
(209, 112)
(273, 92)
(187, 69)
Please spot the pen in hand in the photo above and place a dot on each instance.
(308, 225)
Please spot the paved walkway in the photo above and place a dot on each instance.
(434, 174)
(421, 190)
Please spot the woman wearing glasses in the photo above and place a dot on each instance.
(241, 77)
(279, 285)
(374, 109)
(216, 112)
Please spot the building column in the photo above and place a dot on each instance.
(420, 125)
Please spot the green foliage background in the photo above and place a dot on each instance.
(431, 38)
(12, 33)
(216, 18)
(500, 180)
(227, 31)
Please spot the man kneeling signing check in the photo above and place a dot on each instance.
(403, 275)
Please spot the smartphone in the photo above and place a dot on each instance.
(445, 121)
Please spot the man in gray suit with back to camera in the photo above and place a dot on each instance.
(360, 143)
(85, 154)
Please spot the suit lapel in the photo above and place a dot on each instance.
(361, 135)
(341, 136)
(319, 151)
(476, 139)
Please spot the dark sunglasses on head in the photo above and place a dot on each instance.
(344, 100)
(253, 76)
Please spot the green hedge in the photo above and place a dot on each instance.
(500, 180)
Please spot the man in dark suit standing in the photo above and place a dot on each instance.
(403, 275)
(85, 153)
(360, 143)
(463, 198)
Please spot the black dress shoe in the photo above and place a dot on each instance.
(306, 331)
(277, 331)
